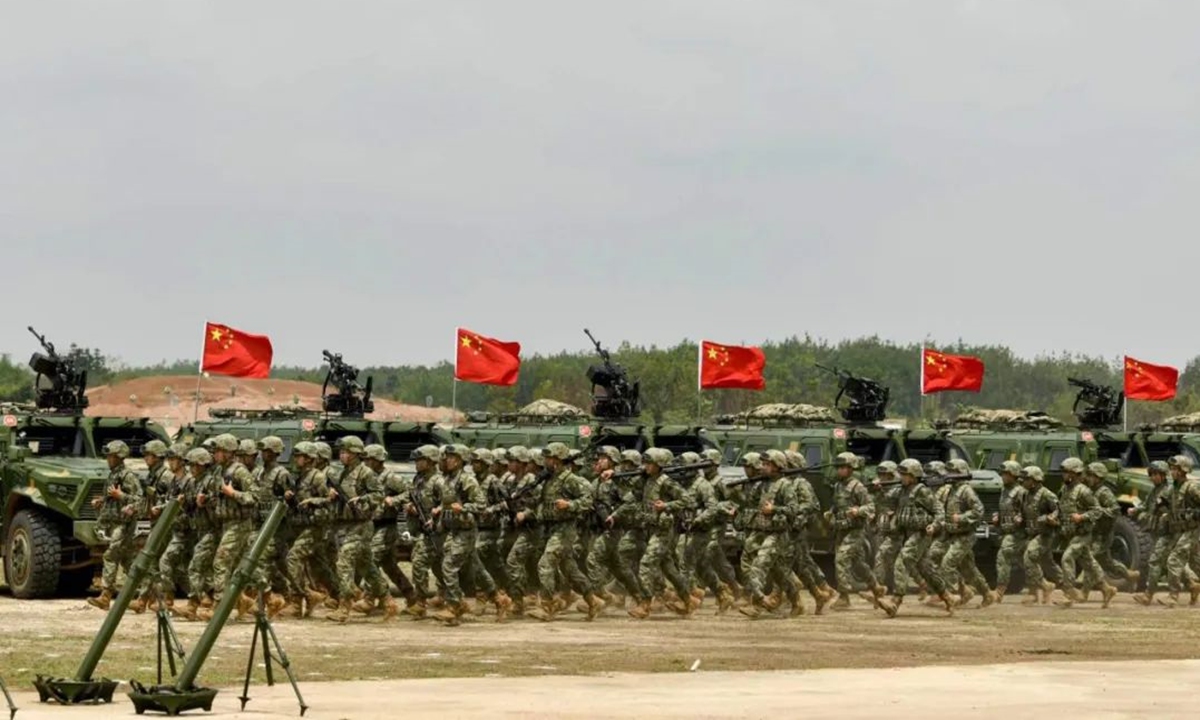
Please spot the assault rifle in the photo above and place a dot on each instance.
(937, 481)
(868, 399)
(669, 470)
(511, 498)
(422, 519)
(785, 472)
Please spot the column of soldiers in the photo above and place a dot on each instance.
(530, 531)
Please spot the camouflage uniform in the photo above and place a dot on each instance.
(1010, 521)
(708, 512)
(202, 498)
(1077, 499)
(527, 541)
(632, 543)
(458, 487)
(1154, 516)
(427, 544)
(1185, 520)
(604, 561)
(1105, 527)
(885, 491)
(849, 516)
(918, 513)
(117, 518)
(359, 493)
(964, 512)
(770, 524)
(937, 548)
(489, 546)
(310, 518)
(385, 543)
(173, 563)
(271, 482)
(558, 557)
(1040, 513)
(808, 507)
(236, 509)
(659, 561)
(155, 486)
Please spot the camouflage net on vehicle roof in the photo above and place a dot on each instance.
(791, 412)
(551, 408)
(1181, 422)
(1022, 419)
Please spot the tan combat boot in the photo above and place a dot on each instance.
(641, 611)
(503, 605)
(968, 594)
(364, 606)
(990, 598)
(1047, 591)
(275, 605)
(390, 607)
(447, 616)
(1144, 598)
(886, 605)
(1070, 597)
(1171, 601)
(545, 611)
(772, 601)
(313, 599)
(1133, 577)
(842, 602)
(209, 601)
(1107, 593)
(797, 603)
(753, 609)
(1034, 597)
(950, 601)
(878, 593)
(1194, 590)
(102, 601)
(139, 604)
(823, 596)
(342, 614)
(724, 600)
(188, 612)
(294, 608)
(416, 609)
(245, 606)
(595, 606)
(699, 594)
(1001, 590)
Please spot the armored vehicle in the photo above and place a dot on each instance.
(50, 471)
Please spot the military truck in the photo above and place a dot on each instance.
(1035, 438)
(819, 434)
(614, 419)
(50, 471)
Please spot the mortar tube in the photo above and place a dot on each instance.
(237, 582)
(156, 543)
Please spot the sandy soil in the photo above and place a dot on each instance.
(1161, 689)
(170, 399)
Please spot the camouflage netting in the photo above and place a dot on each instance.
(551, 408)
(1181, 422)
(790, 412)
(1023, 419)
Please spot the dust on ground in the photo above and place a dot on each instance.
(170, 399)
(51, 636)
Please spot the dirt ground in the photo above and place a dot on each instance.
(50, 637)
(170, 399)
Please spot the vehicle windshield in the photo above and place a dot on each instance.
(135, 436)
(51, 440)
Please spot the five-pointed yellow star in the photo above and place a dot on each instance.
(216, 334)
(712, 353)
(466, 341)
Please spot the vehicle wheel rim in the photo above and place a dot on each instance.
(1121, 551)
(19, 555)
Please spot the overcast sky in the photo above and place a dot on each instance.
(366, 176)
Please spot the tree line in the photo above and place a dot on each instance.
(669, 386)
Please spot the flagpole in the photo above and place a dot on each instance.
(699, 384)
(921, 379)
(199, 374)
(1125, 414)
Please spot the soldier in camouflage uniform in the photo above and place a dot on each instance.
(1154, 516)
(1040, 514)
(200, 500)
(662, 502)
(489, 544)
(692, 525)
(323, 561)
(937, 549)
(172, 564)
(527, 542)
(354, 497)
(235, 507)
(1010, 521)
(385, 543)
(964, 512)
(850, 515)
(155, 486)
(247, 453)
(119, 510)
(1077, 513)
(271, 482)
(1185, 521)
(309, 517)
(565, 500)
(605, 560)
(885, 492)
(1096, 476)
(745, 494)
(807, 510)
(918, 515)
(770, 524)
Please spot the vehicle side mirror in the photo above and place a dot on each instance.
(16, 453)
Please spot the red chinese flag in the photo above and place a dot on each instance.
(731, 366)
(486, 360)
(940, 372)
(233, 352)
(1144, 381)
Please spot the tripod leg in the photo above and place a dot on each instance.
(245, 698)
(175, 647)
(12, 708)
(282, 658)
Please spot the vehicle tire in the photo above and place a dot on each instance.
(1131, 545)
(32, 555)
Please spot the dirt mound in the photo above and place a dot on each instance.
(170, 399)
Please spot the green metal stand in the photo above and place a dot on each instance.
(12, 707)
(83, 688)
(168, 640)
(263, 630)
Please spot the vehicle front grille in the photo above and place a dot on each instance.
(87, 512)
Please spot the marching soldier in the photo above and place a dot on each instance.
(354, 497)
(1154, 516)
(385, 543)
(1010, 522)
(1077, 511)
(1097, 479)
(120, 508)
(770, 524)
(1185, 521)
(235, 507)
(918, 515)
(173, 563)
(851, 513)
(271, 482)
(885, 490)
(605, 560)
(155, 486)
(310, 519)
(807, 510)
(964, 512)
(1040, 514)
